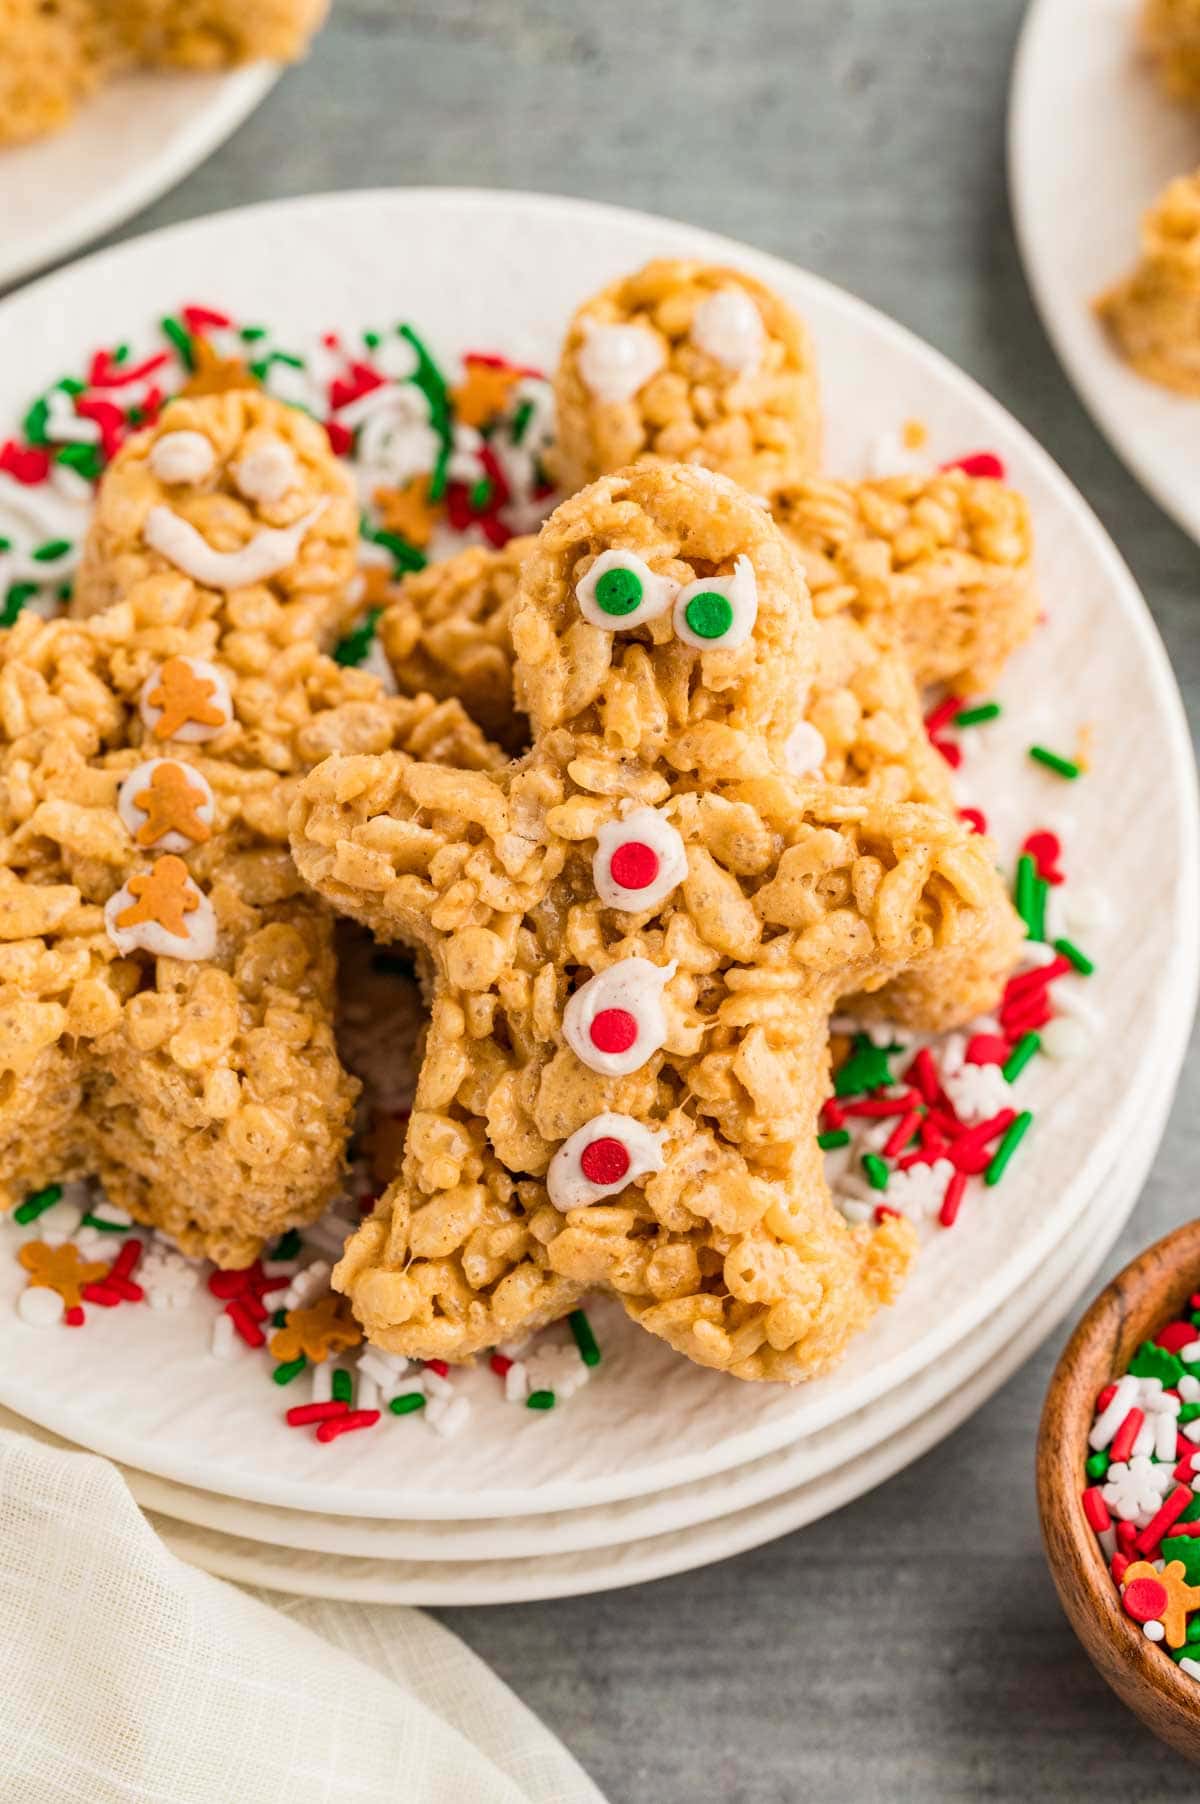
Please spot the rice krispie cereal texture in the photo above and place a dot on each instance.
(241, 494)
(694, 364)
(53, 53)
(650, 848)
(1153, 316)
(209, 34)
(1170, 31)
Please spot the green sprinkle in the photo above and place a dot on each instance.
(372, 340)
(709, 615)
(18, 594)
(181, 339)
(51, 550)
(5, 544)
(1062, 766)
(1193, 1630)
(975, 717)
(1019, 1057)
(876, 1170)
(63, 592)
(279, 1319)
(34, 423)
(1187, 1549)
(1153, 1361)
(262, 368)
(37, 1204)
(70, 385)
(480, 494)
(1008, 1147)
(251, 334)
(1192, 1512)
(1080, 960)
(1037, 920)
(1096, 1465)
(440, 474)
(121, 354)
(287, 1246)
(292, 1369)
(540, 1400)
(357, 643)
(406, 556)
(105, 1227)
(520, 422)
(585, 1340)
(343, 1388)
(1023, 887)
(866, 1069)
(404, 1406)
(88, 460)
(832, 1138)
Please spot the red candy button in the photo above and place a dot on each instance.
(613, 1030)
(1144, 1599)
(634, 865)
(979, 463)
(605, 1161)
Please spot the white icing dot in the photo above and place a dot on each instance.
(615, 361)
(805, 750)
(134, 818)
(657, 592)
(644, 827)
(629, 996)
(567, 1183)
(199, 941)
(182, 457)
(1064, 1039)
(740, 591)
(217, 698)
(266, 554)
(268, 471)
(728, 326)
(40, 1307)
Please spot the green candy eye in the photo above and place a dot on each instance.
(709, 615)
(619, 592)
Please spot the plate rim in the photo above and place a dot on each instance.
(1184, 968)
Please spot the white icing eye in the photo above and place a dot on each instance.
(603, 1156)
(638, 861)
(616, 1021)
(268, 471)
(166, 806)
(161, 911)
(805, 750)
(182, 457)
(615, 361)
(728, 326)
(186, 699)
(620, 591)
(718, 613)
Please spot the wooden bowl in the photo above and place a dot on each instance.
(1149, 1292)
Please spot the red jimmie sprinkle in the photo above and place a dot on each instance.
(613, 1030)
(901, 1134)
(439, 1366)
(1096, 1510)
(245, 1323)
(501, 1364)
(1105, 1398)
(1126, 1435)
(604, 1161)
(304, 1413)
(987, 1049)
(341, 439)
(26, 464)
(1120, 1562)
(353, 1418)
(105, 373)
(975, 818)
(204, 319)
(1045, 849)
(979, 463)
(952, 1200)
(74, 1318)
(634, 865)
(1174, 1506)
(943, 714)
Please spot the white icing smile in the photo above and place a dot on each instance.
(615, 361)
(266, 554)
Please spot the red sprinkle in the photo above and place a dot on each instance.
(604, 1161)
(924, 1074)
(987, 1049)
(362, 380)
(901, 1134)
(245, 1323)
(501, 1364)
(950, 752)
(28, 464)
(353, 1418)
(341, 439)
(1105, 1398)
(979, 463)
(833, 1113)
(1095, 1509)
(494, 531)
(202, 319)
(105, 373)
(1176, 1335)
(952, 1200)
(1127, 1533)
(100, 1293)
(1159, 1523)
(74, 1318)
(111, 421)
(1045, 849)
(1120, 1563)
(439, 1366)
(126, 1261)
(943, 714)
(304, 1413)
(885, 1212)
(1126, 1435)
(975, 818)
(1027, 983)
(881, 1108)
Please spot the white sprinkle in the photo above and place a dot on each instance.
(225, 1343)
(1153, 1631)
(366, 1392)
(322, 1382)
(1063, 1039)
(516, 1382)
(1165, 1431)
(447, 1416)
(40, 1308)
(1110, 1419)
(1190, 1667)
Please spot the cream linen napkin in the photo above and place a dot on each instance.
(130, 1676)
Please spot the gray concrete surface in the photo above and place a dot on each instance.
(911, 1647)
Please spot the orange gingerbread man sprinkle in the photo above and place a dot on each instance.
(315, 1333)
(483, 392)
(171, 803)
(408, 511)
(1166, 1597)
(62, 1269)
(165, 894)
(186, 698)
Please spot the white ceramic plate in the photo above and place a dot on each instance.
(631, 1562)
(1092, 141)
(152, 1398)
(124, 148)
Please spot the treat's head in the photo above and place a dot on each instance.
(238, 492)
(662, 612)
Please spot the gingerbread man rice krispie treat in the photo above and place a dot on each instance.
(241, 494)
(635, 937)
(1170, 32)
(51, 57)
(692, 363)
(1153, 316)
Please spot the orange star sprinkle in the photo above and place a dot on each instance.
(62, 1269)
(326, 1327)
(483, 392)
(214, 375)
(170, 803)
(164, 894)
(409, 511)
(184, 696)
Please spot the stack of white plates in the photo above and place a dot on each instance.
(657, 1466)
